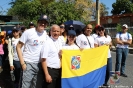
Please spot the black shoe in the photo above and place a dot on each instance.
(123, 75)
(106, 86)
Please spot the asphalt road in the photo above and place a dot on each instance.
(124, 82)
(5, 81)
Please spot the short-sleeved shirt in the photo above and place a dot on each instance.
(62, 40)
(50, 51)
(94, 35)
(33, 42)
(70, 47)
(103, 40)
(83, 41)
(124, 37)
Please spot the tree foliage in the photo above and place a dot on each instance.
(27, 10)
(122, 7)
(58, 11)
(83, 6)
(103, 10)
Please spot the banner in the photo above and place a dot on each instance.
(84, 69)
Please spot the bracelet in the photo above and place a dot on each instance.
(23, 64)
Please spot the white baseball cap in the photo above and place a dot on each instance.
(125, 25)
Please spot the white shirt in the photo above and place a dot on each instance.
(83, 42)
(124, 37)
(62, 40)
(33, 42)
(103, 40)
(94, 35)
(70, 47)
(50, 51)
(14, 44)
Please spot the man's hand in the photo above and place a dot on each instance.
(48, 78)
(60, 54)
(24, 67)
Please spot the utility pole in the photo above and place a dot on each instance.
(97, 12)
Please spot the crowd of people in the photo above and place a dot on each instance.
(35, 55)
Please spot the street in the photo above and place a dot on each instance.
(124, 82)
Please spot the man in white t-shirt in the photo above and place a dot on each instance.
(51, 59)
(123, 40)
(32, 40)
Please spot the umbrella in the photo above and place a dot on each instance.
(74, 24)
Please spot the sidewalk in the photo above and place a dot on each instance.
(130, 49)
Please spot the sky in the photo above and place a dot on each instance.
(108, 4)
(4, 5)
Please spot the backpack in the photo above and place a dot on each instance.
(127, 34)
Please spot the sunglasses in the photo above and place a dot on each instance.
(62, 27)
(42, 22)
(89, 28)
(101, 30)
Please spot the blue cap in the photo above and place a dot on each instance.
(43, 17)
(71, 32)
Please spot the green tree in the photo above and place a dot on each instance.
(61, 11)
(122, 7)
(118, 27)
(26, 10)
(57, 11)
(103, 10)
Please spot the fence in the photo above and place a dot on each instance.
(112, 31)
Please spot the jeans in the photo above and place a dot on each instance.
(1, 57)
(108, 70)
(121, 55)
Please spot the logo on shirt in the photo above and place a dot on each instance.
(41, 42)
(84, 42)
(101, 43)
(35, 43)
(75, 62)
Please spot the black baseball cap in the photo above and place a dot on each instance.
(15, 29)
(31, 24)
(44, 17)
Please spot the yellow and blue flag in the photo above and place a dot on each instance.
(84, 69)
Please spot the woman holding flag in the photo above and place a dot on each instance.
(104, 39)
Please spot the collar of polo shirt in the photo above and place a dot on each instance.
(53, 39)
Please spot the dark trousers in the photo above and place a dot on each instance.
(108, 70)
(17, 71)
(1, 61)
(56, 78)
